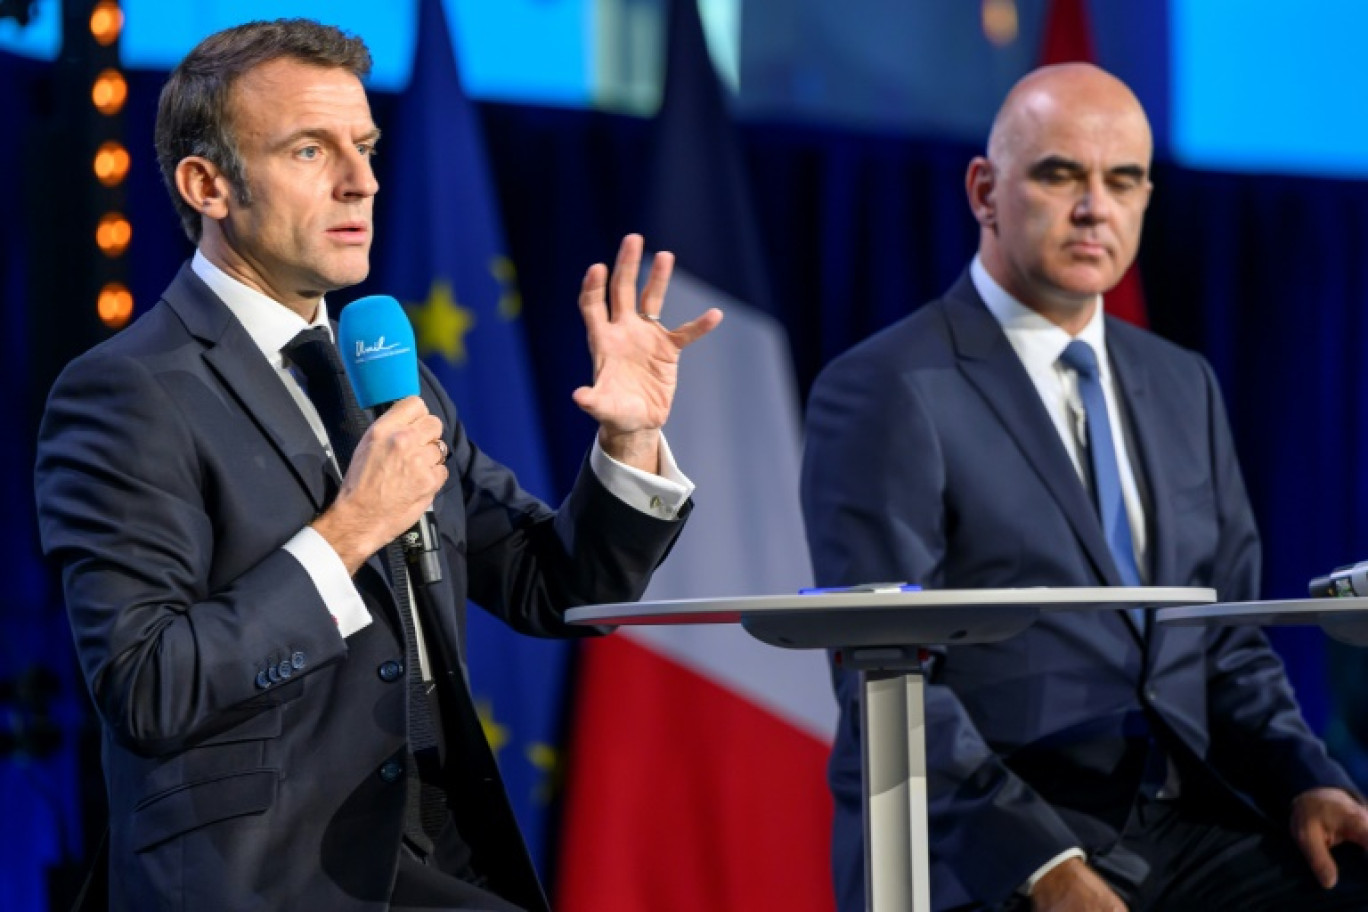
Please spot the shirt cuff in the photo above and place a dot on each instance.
(1049, 866)
(331, 579)
(661, 496)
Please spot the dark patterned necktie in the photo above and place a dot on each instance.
(317, 358)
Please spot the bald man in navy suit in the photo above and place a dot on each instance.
(1097, 761)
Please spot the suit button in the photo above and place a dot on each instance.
(297, 661)
(285, 669)
(1151, 695)
(273, 672)
(391, 770)
(261, 680)
(390, 671)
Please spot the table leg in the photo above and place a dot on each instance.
(896, 868)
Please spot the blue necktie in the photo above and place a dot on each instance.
(1111, 507)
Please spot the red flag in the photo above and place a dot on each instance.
(661, 820)
(1068, 38)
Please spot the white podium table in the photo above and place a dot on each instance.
(1344, 619)
(882, 633)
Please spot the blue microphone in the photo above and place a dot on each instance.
(378, 350)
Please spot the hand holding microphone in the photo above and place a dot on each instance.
(394, 474)
(399, 465)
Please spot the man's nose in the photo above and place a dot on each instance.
(1094, 202)
(358, 177)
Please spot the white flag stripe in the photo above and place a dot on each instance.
(735, 430)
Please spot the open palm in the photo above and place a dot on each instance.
(636, 358)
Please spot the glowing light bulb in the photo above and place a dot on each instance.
(1000, 21)
(106, 22)
(114, 305)
(109, 92)
(111, 163)
(113, 234)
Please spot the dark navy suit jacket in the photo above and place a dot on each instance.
(250, 751)
(930, 458)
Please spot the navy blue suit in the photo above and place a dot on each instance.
(930, 458)
(253, 756)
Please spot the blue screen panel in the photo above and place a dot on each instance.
(158, 34)
(41, 38)
(1265, 85)
(534, 50)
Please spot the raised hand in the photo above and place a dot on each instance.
(636, 357)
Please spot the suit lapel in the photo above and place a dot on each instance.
(232, 355)
(990, 364)
(1135, 389)
(237, 361)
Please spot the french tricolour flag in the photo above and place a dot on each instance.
(696, 777)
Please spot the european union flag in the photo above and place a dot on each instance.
(441, 252)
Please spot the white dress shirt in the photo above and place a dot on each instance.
(272, 326)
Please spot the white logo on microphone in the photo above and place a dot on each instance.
(379, 350)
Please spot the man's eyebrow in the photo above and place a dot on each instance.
(323, 135)
(1057, 163)
(1136, 172)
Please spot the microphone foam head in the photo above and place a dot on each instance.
(376, 340)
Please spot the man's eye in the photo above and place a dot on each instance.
(309, 153)
(367, 149)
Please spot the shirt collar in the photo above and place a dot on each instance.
(1035, 338)
(270, 324)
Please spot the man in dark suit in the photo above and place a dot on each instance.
(286, 717)
(1097, 761)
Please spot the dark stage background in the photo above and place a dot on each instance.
(1265, 275)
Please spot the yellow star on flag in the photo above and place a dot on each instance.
(510, 300)
(441, 324)
(495, 734)
(546, 759)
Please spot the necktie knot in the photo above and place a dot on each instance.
(1080, 356)
(313, 352)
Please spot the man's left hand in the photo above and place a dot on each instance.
(636, 357)
(1323, 818)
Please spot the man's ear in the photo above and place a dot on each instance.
(979, 183)
(202, 185)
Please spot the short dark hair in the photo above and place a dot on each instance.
(193, 113)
